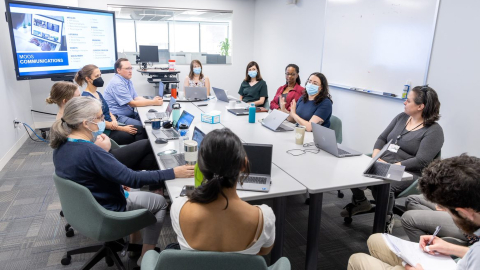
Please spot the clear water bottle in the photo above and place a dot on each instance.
(251, 113)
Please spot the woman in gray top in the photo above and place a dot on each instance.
(417, 139)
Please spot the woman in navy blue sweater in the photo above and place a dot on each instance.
(77, 158)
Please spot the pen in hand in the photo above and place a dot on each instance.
(434, 234)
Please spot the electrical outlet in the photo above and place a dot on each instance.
(16, 123)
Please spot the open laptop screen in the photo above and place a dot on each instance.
(186, 118)
(259, 157)
(169, 109)
(198, 136)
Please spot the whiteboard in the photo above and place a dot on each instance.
(378, 45)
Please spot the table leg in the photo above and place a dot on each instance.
(314, 218)
(279, 209)
(381, 207)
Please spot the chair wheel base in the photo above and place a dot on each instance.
(67, 227)
(307, 201)
(66, 260)
(61, 213)
(70, 232)
(347, 220)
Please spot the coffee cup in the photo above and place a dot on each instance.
(231, 104)
(299, 135)
(156, 123)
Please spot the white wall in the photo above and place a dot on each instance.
(294, 34)
(15, 101)
(228, 77)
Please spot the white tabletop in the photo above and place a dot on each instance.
(317, 172)
(282, 183)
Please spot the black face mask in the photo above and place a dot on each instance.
(98, 82)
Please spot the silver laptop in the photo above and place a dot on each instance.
(260, 161)
(162, 115)
(175, 160)
(274, 121)
(222, 95)
(324, 138)
(172, 133)
(387, 171)
(194, 94)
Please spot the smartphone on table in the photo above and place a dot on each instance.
(187, 190)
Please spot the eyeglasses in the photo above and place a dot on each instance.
(101, 118)
(290, 74)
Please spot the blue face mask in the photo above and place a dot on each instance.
(101, 129)
(252, 73)
(197, 70)
(311, 89)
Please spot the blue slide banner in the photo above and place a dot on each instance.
(42, 59)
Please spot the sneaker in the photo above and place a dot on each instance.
(356, 207)
(390, 224)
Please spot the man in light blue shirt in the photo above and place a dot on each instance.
(122, 97)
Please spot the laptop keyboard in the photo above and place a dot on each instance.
(170, 133)
(379, 168)
(172, 161)
(256, 180)
(342, 152)
(283, 127)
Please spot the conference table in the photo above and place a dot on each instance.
(283, 185)
(316, 173)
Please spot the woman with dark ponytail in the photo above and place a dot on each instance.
(416, 138)
(213, 217)
(292, 90)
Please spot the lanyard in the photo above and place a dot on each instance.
(78, 140)
(408, 131)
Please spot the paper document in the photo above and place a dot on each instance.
(411, 253)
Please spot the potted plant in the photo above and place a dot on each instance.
(225, 49)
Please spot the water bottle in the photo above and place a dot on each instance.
(251, 113)
(175, 113)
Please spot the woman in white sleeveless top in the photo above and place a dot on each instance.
(213, 217)
(196, 78)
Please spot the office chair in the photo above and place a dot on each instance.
(206, 260)
(83, 212)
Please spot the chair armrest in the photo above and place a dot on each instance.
(149, 260)
(282, 264)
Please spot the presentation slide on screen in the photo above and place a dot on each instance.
(55, 40)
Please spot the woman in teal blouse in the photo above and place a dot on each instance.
(253, 89)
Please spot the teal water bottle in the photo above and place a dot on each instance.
(175, 113)
(251, 113)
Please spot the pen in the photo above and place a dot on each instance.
(434, 234)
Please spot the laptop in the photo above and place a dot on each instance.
(46, 30)
(324, 138)
(387, 171)
(274, 121)
(260, 161)
(162, 115)
(222, 95)
(244, 111)
(172, 133)
(194, 94)
(175, 160)
(160, 91)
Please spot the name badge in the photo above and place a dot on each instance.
(393, 148)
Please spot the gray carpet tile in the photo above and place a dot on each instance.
(32, 234)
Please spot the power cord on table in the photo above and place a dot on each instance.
(299, 152)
